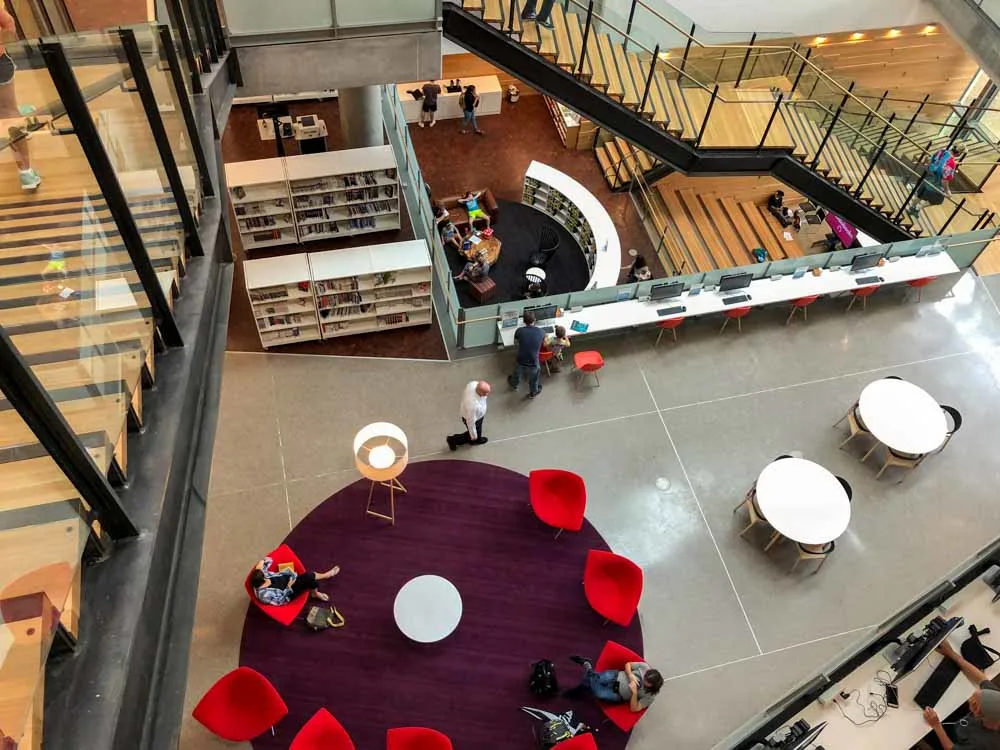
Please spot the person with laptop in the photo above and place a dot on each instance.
(529, 339)
(637, 684)
(979, 729)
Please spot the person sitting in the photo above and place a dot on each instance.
(980, 727)
(636, 685)
(281, 587)
(639, 271)
(775, 205)
(475, 270)
(471, 203)
(555, 342)
(449, 232)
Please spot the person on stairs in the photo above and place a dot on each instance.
(9, 109)
(637, 684)
(278, 588)
(543, 16)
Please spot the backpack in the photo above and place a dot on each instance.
(551, 733)
(321, 618)
(543, 679)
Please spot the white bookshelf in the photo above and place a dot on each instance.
(263, 208)
(344, 193)
(281, 295)
(373, 288)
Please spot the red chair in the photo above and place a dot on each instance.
(614, 656)
(544, 358)
(559, 498)
(286, 613)
(580, 742)
(668, 325)
(613, 585)
(919, 284)
(588, 362)
(736, 314)
(240, 706)
(802, 303)
(322, 732)
(416, 738)
(863, 294)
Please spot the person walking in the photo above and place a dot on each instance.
(9, 109)
(472, 410)
(529, 339)
(543, 16)
(936, 186)
(470, 102)
(429, 107)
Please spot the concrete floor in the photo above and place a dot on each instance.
(727, 623)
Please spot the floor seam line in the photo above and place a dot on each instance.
(281, 449)
(701, 510)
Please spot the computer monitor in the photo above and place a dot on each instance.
(732, 281)
(801, 743)
(865, 261)
(918, 648)
(666, 291)
(543, 312)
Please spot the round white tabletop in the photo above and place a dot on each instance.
(427, 608)
(902, 416)
(803, 501)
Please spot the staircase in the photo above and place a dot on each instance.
(657, 110)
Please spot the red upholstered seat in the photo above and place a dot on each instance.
(416, 738)
(580, 742)
(322, 732)
(286, 613)
(240, 706)
(544, 357)
(613, 585)
(613, 656)
(559, 498)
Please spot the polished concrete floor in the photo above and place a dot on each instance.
(667, 444)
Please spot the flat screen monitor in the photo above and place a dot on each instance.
(916, 651)
(865, 261)
(732, 281)
(543, 312)
(801, 743)
(666, 291)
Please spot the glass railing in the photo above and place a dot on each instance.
(251, 17)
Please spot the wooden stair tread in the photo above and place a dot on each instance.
(767, 240)
(617, 159)
(607, 167)
(629, 96)
(473, 6)
(639, 75)
(660, 114)
(739, 252)
(686, 230)
(547, 41)
(588, 73)
(613, 79)
(696, 102)
(643, 159)
(705, 227)
(675, 123)
(790, 248)
(567, 54)
(745, 233)
(492, 12)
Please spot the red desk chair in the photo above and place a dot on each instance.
(286, 613)
(416, 738)
(613, 656)
(559, 498)
(863, 294)
(584, 741)
(668, 325)
(588, 362)
(240, 706)
(613, 586)
(544, 357)
(736, 314)
(322, 732)
(802, 303)
(919, 285)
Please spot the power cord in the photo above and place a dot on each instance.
(876, 706)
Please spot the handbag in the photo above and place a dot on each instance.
(321, 618)
(976, 652)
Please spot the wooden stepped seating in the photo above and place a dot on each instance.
(727, 230)
(710, 236)
(687, 232)
(763, 231)
(492, 11)
(609, 169)
(630, 93)
(622, 162)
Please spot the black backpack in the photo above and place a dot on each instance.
(553, 732)
(543, 681)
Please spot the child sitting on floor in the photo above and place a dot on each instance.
(555, 342)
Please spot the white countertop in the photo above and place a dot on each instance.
(283, 270)
(450, 105)
(634, 312)
(902, 416)
(803, 501)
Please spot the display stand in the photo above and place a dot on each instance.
(259, 192)
(281, 295)
(374, 288)
(450, 104)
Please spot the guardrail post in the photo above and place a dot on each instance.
(628, 26)
(868, 117)
(770, 121)
(687, 48)
(746, 59)
(909, 125)
(708, 113)
(826, 137)
(954, 213)
(875, 157)
(586, 38)
(885, 128)
(511, 15)
(649, 78)
(798, 76)
(909, 198)
(981, 220)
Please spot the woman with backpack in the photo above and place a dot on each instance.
(940, 172)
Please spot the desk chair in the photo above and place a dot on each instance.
(814, 552)
(736, 314)
(854, 424)
(322, 732)
(588, 362)
(863, 294)
(956, 424)
(908, 461)
(240, 706)
(544, 358)
(668, 325)
(802, 303)
(919, 285)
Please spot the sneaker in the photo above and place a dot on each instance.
(530, 16)
(481, 441)
(547, 23)
(451, 443)
(511, 383)
(480, 132)
(583, 661)
(421, 123)
(433, 123)
(30, 180)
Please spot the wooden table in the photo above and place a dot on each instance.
(491, 245)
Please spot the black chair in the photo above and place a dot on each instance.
(956, 423)
(548, 243)
(847, 488)
(784, 455)
(892, 377)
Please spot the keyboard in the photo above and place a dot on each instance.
(671, 310)
(866, 280)
(939, 681)
(549, 329)
(735, 300)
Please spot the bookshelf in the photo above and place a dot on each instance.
(373, 288)
(575, 131)
(344, 193)
(263, 207)
(281, 295)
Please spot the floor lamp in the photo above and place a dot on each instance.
(381, 454)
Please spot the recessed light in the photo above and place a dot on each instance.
(893, 33)
(819, 40)
(857, 35)
(930, 28)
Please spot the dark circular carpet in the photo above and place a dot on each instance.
(519, 229)
(522, 597)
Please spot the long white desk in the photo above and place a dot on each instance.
(450, 105)
(615, 315)
(900, 728)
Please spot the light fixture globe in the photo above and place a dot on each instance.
(381, 457)
(381, 452)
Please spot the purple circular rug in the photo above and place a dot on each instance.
(522, 595)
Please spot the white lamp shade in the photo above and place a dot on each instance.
(381, 451)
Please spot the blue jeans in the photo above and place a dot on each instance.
(469, 118)
(533, 373)
(604, 685)
(543, 14)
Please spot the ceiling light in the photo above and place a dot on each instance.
(893, 33)
(857, 35)
(930, 28)
(819, 40)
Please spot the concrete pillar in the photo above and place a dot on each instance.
(361, 116)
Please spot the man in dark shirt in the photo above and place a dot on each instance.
(980, 728)
(529, 339)
(430, 105)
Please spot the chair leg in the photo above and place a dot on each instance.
(743, 502)
(848, 439)
(797, 561)
(850, 304)
(724, 324)
(835, 424)
(791, 315)
(805, 313)
(884, 467)
(739, 325)
(775, 537)
(597, 380)
(864, 303)
(870, 451)
(920, 293)
(749, 526)
(674, 332)
(659, 337)
(822, 562)
(557, 534)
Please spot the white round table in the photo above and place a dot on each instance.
(427, 608)
(902, 416)
(803, 501)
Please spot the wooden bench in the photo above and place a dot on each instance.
(767, 240)
(709, 236)
(687, 232)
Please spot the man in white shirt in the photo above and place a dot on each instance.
(473, 412)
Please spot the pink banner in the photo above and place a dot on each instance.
(845, 232)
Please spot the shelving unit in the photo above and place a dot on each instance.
(263, 207)
(373, 288)
(575, 131)
(281, 295)
(344, 193)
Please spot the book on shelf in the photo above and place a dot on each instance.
(292, 305)
(265, 294)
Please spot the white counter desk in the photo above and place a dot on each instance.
(615, 315)
(900, 728)
(450, 105)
